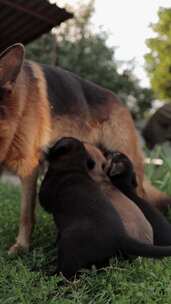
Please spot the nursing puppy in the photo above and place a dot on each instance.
(135, 223)
(90, 229)
(122, 175)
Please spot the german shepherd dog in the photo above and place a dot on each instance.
(40, 104)
(90, 228)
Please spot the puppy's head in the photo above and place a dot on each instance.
(120, 169)
(67, 155)
(98, 170)
(69, 151)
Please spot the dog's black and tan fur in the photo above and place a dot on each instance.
(40, 104)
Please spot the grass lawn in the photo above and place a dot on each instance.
(143, 281)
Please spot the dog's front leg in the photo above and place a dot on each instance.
(27, 216)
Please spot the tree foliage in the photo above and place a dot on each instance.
(41, 50)
(158, 60)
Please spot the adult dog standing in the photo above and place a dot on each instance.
(40, 104)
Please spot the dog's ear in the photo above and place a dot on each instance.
(11, 61)
(62, 147)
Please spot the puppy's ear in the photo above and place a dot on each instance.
(11, 61)
(54, 152)
(62, 147)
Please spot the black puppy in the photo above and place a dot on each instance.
(90, 230)
(123, 176)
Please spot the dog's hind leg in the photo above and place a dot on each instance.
(27, 216)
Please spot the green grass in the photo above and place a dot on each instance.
(142, 281)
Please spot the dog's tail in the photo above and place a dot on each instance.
(133, 247)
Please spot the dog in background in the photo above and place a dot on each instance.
(40, 104)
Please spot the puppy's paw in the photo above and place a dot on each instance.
(118, 163)
(18, 248)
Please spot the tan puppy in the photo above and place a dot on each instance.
(133, 219)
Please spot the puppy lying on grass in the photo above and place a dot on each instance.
(90, 229)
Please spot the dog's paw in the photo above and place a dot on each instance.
(18, 248)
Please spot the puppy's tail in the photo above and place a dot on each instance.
(136, 248)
